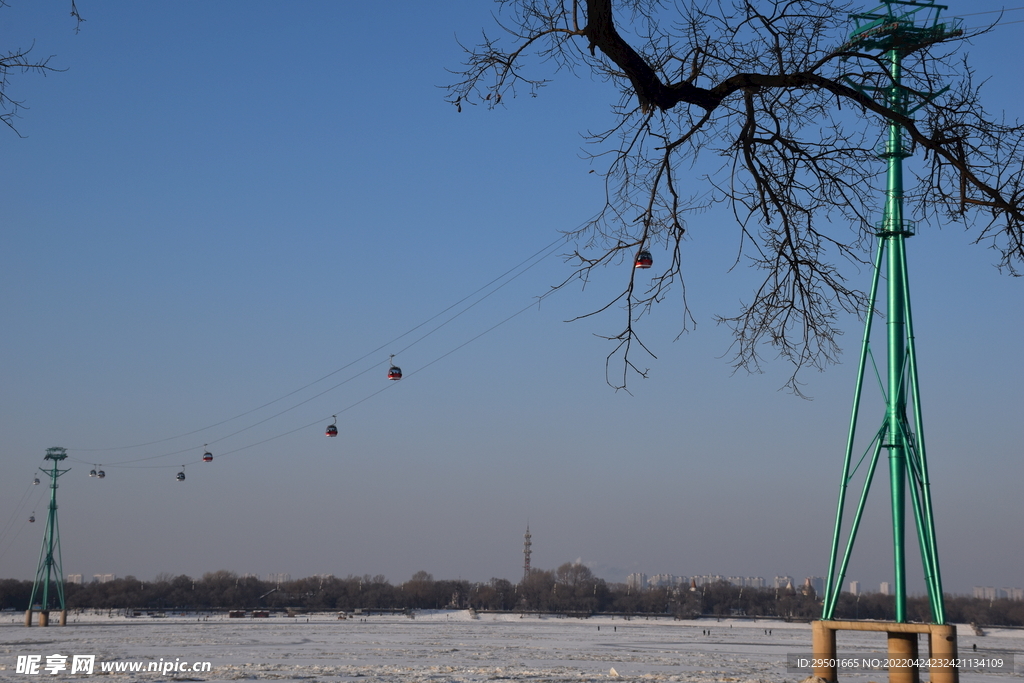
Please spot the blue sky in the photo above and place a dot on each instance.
(212, 207)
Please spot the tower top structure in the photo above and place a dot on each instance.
(56, 453)
(904, 25)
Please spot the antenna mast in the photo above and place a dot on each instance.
(526, 552)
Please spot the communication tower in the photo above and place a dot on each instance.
(526, 553)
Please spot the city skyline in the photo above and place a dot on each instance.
(207, 253)
(642, 581)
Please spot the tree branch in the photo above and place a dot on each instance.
(761, 84)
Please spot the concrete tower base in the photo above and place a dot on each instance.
(902, 645)
(44, 617)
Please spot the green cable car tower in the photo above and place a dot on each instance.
(50, 568)
(892, 31)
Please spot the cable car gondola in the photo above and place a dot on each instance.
(394, 372)
(100, 474)
(181, 476)
(92, 473)
(644, 260)
(332, 429)
(32, 517)
(36, 481)
(207, 456)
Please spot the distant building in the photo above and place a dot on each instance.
(282, 577)
(707, 579)
(636, 582)
(782, 582)
(855, 587)
(254, 577)
(103, 578)
(75, 578)
(640, 581)
(993, 593)
(666, 581)
(813, 585)
(885, 588)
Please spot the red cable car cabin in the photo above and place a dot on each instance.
(207, 456)
(644, 260)
(332, 430)
(395, 372)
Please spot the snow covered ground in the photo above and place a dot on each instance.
(448, 647)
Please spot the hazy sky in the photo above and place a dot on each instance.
(217, 204)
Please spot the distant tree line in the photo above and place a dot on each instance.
(571, 589)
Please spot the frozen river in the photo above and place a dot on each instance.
(441, 647)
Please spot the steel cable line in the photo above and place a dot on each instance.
(18, 514)
(360, 401)
(999, 23)
(128, 463)
(991, 11)
(365, 398)
(13, 538)
(547, 248)
(389, 386)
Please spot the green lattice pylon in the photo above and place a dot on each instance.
(50, 569)
(895, 28)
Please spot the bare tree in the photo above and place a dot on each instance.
(769, 95)
(19, 61)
